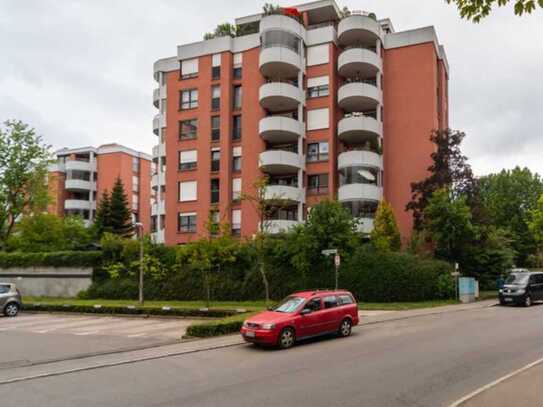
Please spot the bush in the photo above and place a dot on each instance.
(53, 259)
(216, 328)
(390, 277)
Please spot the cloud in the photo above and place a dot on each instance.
(80, 71)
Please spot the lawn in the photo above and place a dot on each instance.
(230, 305)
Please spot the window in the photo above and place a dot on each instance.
(187, 191)
(188, 160)
(330, 301)
(215, 72)
(236, 159)
(4, 289)
(214, 217)
(215, 128)
(236, 222)
(135, 202)
(186, 223)
(135, 164)
(272, 38)
(237, 62)
(236, 128)
(188, 129)
(215, 190)
(189, 68)
(215, 159)
(317, 184)
(215, 97)
(237, 97)
(317, 119)
(189, 99)
(135, 183)
(313, 305)
(317, 55)
(317, 151)
(361, 209)
(236, 189)
(358, 175)
(317, 87)
(345, 299)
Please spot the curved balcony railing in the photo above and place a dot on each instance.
(358, 129)
(280, 225)
(280, 129)
(79, 185)
(359, 96)
(79, 204)
(359, 29)
(277, 61)
(282, 23)
(280, 96)
(359, 61)
(284, 193)
(280, 162)
(360, 192)
(360, 158)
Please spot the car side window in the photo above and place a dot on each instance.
(313, 305)
(4, 289)
(330, 302)
(539, 278)
(345, 299)
(533, 279)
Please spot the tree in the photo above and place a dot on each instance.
(120, 218)
(475, 10)
(507, 198)
(535, 225)
(23, 171)
(222, 30)
(449, 170)
(102, 219)
(385, 235)
(447, 221)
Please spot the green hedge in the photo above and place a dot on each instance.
(180, 312)
(53, 259)
(215, 328)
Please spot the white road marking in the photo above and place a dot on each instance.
(495, 383)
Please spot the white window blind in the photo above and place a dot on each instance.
(189, 156)
(317, 55)
(238, 59)
(189, 66)
(317, 81)
(236, 217)
(216, 59)
(317, 119)
(187, 191)
(236, 152)
(236, 188)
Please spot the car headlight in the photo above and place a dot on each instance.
(268, 326)
(521, 291)
(245, 324)
(501, 291)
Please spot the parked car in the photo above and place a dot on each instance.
(303, 315)
(522, 288)
(10, 299)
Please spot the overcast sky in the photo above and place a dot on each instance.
(80, 71)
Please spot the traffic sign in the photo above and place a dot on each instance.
(328, 252)
(337, 260)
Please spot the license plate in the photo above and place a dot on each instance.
(250, 334)
(508, 300)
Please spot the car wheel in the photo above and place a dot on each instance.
(528, 301)
(502, 302)
(11, 310)
(286, 338)
(345, 328)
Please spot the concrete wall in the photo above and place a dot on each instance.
(48, 281)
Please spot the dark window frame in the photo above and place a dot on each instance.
(318, 156)
(215, 131)
(318, 91)
(215, 190)
(189, 226)
(236, 130)
(318, 189)
(192, 102)
(192, 135)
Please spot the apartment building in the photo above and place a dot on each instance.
(326, 105)
(80, 175)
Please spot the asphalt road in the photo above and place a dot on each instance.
(424, 361)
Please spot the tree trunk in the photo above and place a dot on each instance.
(265, 281)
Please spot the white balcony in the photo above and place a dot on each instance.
(282, 23)
(159, 151)
(280, 62)
(359, 30)
(359, 96)
(158, 236)
(359, 62)
(284, 193)
(279, 226)
(157, 180)
(158, 208)
(158, 94)
(360, 192)
(77, 165)
(79, 185)
(358, 129)
(280, 96)
(280, 162)
(359, 159)
(280, 129)
(79, 204)
(159, 121)
(365, 225)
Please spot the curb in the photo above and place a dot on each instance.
(482, 389)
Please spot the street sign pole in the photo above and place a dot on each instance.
(337, 262)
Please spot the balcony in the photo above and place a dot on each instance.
(158, 180)
(280, 129)
(79, 185)
(79, 204)
(278, 22)
(359, 62)
(359, 96)
(280, 226)
(358, 129)
(78, 165)
(365, 225)
(159, 151)
(158, 94)
(280, 162)
(359, 159)
(159, 122)
(279, 62)
(357, 30)
(280, 96)
(158, 208)
(158, 236)
(284, 193)
(360, 192)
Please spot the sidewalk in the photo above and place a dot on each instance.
(522, 389)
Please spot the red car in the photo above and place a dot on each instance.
(303, 315)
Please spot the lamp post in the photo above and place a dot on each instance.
(139, 225)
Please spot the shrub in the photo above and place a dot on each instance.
(216, 328)
(53, 259)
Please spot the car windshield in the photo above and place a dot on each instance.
(289, 304)
(517, 279)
